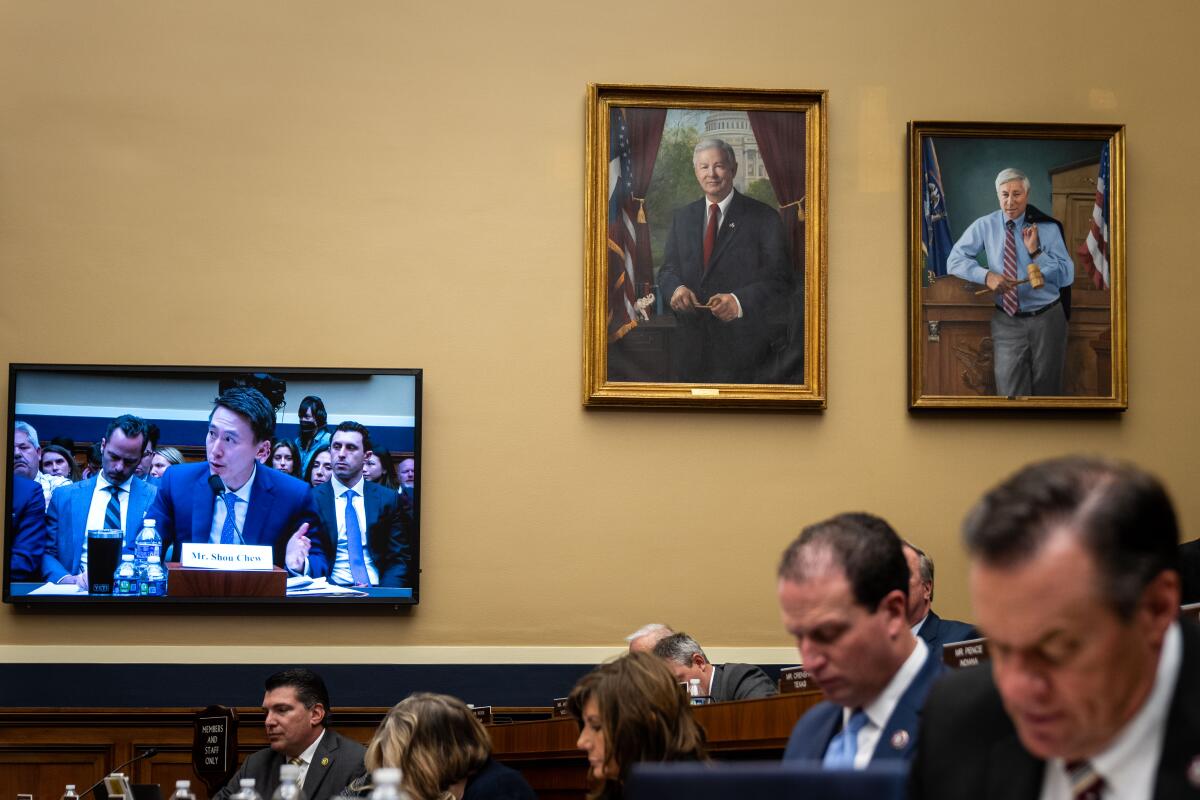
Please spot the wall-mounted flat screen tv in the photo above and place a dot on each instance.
(142, 486)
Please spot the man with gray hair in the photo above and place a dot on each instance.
(721, 682)
(1093, 687)
(644, 638)
(1029, 326)
(27, 460)
(936, 632)
(726, 274)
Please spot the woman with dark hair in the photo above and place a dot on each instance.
(285, 457)
(58, 460)
(632, 710)
(313, 433)
(320, 467)
(442, 751)
(378, 467)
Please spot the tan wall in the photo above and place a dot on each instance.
(401, 184)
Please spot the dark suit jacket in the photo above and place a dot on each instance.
(322, 782)
(938, 632)
(812, 734)
(497, 782)
(279, 504)
(750, 259)
(1189, 568)
(388, 534)
(969, 746)
(66, 523)
(741, 682)
(29, 530)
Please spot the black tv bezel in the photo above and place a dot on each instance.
(165, 604)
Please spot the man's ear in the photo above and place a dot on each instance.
(698, 660)
(316, 715)
(263, 451)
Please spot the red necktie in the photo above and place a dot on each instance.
(1086, 784)
(710, 233)
(1009, 298)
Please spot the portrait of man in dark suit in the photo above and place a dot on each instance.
(232, 499)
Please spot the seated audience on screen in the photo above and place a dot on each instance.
(285, 457)
(28, 530)
(379, 468)
(94, 460)
(1093, 687)
(313, 433)
(936, 632)
(245, 503)
(27, 460)
(320, 467)
(164, 457)
(58, 460)
(363, 523)
(114, 499)
(843, 593)
(442, 751)
(408, 473)
(722, 682)
(297, 724)
(143, 467)
(632, 710)
(644, 638)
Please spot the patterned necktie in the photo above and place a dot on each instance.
(1086, 783)
(1009, 299)
(710, 233)
(229, 528)
(298, 762)
(354, 547)
(844, 747)
(112, 512)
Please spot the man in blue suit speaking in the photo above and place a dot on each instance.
(843, 590)
(115, 498)
(233, 499)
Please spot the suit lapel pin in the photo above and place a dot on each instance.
(325, 761)
(1193, 772)
(900, 740)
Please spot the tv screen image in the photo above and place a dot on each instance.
(141, 486)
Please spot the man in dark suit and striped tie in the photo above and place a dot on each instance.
(114, 499)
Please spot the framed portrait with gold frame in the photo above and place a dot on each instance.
(1017, 266)
(705, 247)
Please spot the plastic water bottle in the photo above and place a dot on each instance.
(69, 794)
(125, 578)
(289, 787)
(148, 542)
(386, 781)
(247, 792)
(156, 579)
(183, 791)
(694, 695)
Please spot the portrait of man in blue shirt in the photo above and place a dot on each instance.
(1029, 326)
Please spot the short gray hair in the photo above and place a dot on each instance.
(679, 648)
(714, 144)
(1009, 174)
(924, 566)
(647, 630)
(27, 429)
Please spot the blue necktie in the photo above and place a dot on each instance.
(358, 567)
(112, 512)
(844, 747)
(229, 529)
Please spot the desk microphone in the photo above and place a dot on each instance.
(150, 751)
(218, 488)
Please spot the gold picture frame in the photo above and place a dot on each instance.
(752, 332)
(1057, 340)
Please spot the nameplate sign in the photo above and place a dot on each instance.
(970, 653)
(483, 714)
(560, 707)
(1191, 611)
(227, 556)
(795, 680)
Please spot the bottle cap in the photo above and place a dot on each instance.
(150, 523)
(386, 775)
(246, 783)
(70, 787)
(183, 784)
(154, 559)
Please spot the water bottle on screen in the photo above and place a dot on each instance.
(69, 794)
(289, 786)
(125, 578)
(156, 579)
(148, 542)
(247, 792)
(183, 791)
(386, 782)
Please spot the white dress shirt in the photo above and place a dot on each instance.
(240, 509)
(306, 758)
(96, 511)
(879, 710)
(341, 563)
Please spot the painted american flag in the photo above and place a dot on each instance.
(622, 231)
(1094, 251)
